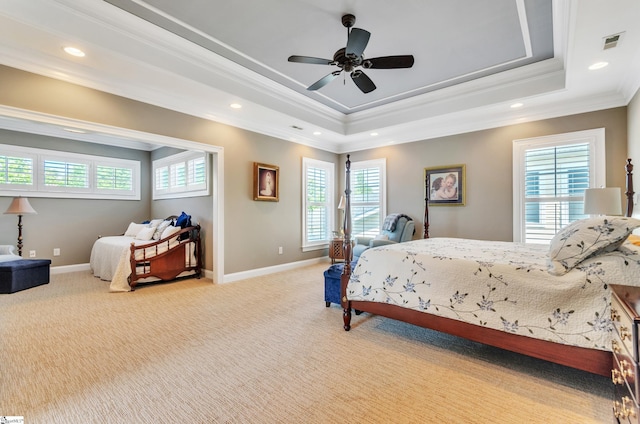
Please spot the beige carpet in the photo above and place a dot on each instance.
(264, 350)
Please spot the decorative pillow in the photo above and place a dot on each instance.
(160, 228)
(6, 249)
(155, 222)
(169, 231)
(145, 233)
(381, 237)
(634, 239)
(183, 220)
(585, 238)
(134, 229)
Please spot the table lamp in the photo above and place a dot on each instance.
(602, 201)
(20, 206)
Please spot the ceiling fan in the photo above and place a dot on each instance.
(350, 58)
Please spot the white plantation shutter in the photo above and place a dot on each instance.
(48, 173)
(555, 180)
(162, 178)
(368, 197)
(67, 175)
(318, 210)
(549, 182)
(317, 213)
(181, 175)
(114, 178)
(16, 171)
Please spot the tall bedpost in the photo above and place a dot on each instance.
(426, 206)
(348, 253)
(629, 193)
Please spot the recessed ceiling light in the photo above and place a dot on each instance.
(598, 65)
(373, 134)
(516, 105)
(73, 51)
(317, 133)
(235, 105)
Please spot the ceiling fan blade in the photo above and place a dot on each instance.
(323, 81)
(358, 40)
(363, 82)
(312, 60)
(389, 62)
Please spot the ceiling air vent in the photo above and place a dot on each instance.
(612, 41)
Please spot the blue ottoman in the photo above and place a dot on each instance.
(332, 284)
(23, 274)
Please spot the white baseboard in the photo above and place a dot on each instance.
(259, 272)
(70, 268)
(228, 278)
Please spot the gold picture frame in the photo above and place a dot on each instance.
(445, 185)
(266, 179)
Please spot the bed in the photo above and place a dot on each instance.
(160, 250)
(551, 303)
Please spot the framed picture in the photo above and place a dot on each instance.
(265, 182)
(445, 185)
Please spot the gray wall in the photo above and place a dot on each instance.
(254, 230)
(488, 213)
(72, 224)
(633, 145)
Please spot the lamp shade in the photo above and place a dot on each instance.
(602, 201)
(20, 206)
(342, 203)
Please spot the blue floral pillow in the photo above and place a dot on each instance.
(585, 238)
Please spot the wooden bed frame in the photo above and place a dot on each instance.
(590, 360)
(169, 264)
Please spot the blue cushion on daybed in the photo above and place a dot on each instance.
(183, 220)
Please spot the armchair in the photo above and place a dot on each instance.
(397, 228)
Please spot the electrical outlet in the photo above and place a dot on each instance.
(56, 251)
(32, 253)
(280, 250)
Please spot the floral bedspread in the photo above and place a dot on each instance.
(500, 285)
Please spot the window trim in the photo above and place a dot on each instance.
(597, 166)
(329, 167)
(373, 163)
(176, 192)
(38, 188)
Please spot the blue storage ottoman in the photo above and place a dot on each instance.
(332, 284)
(23, 274)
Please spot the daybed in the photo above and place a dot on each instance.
(551, 303)
(160, 250)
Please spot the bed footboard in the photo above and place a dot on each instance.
(167, 258)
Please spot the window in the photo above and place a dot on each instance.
(318, 209)
(368, 197)
(550, 176)
(48, 173)
(183, 175)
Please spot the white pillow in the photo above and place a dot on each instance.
(160, 228)
(381, 237)
(146, 233)
(6, 249)
(169, 231)
(155, 222)
(134, 229)
(585, 238)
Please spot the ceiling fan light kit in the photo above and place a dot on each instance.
(350, 59)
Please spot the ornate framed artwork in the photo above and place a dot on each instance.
(445, 185)
(265, 182)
